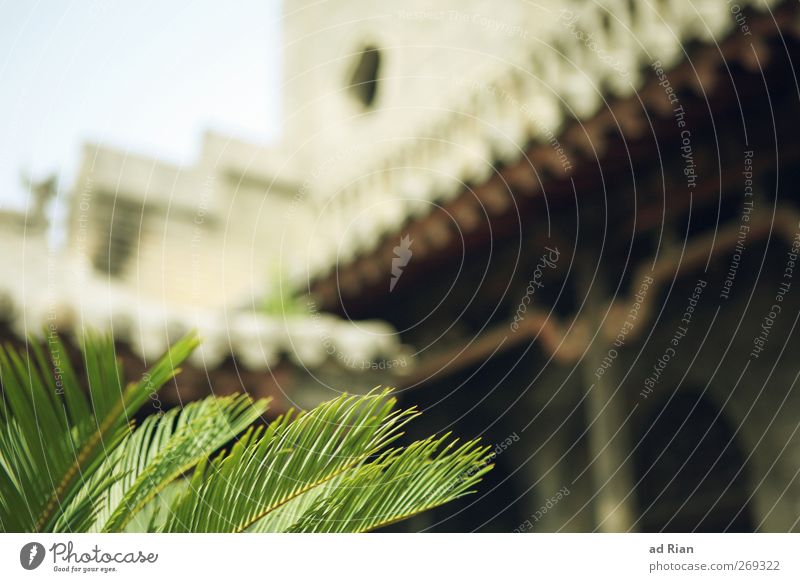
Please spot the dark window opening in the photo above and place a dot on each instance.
(119, 223)
(364, 81)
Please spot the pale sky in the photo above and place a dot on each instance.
(147, 76)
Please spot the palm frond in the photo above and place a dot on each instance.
(402, 483)
(70, 459)
(165, 447)
(328, 470)
(267, 469)
(283, 518)
(54, 435)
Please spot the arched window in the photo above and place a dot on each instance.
(363, 85)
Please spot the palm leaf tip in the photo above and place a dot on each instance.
(403, 483)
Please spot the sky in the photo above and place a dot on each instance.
(144, 76)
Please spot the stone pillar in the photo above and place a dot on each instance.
(608, 441)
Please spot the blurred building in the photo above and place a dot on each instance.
(583, 216)
(545, 202)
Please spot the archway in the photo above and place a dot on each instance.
(689, 470)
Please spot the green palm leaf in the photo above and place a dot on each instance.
(70, 459)
(293, 456)
(400, 484)
(166, 447)
(329, 470)
(54, 435)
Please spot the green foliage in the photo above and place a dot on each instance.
(71, 459)
(279, 299)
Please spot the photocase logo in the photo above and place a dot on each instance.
(31, 555)
(402, 255)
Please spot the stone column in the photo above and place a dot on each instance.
(608, 441)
